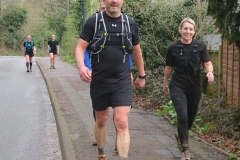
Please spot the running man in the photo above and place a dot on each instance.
(110, 77)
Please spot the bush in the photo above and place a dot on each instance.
(12, 19)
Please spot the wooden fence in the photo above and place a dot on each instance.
(230, 64)
(214, 88)
(226, 63)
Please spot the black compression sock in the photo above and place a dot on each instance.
(101, 150)
(27, 64)
(30, 64)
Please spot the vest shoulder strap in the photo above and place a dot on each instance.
(99, 18)
(125, 17)
(195, 46)
(27, 42)
(179, 47)
(179, 44)
(96, 22)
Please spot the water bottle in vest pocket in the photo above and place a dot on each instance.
(97, 44)
(128, 42)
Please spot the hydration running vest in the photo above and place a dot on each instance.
(187, 62)
(28, 46)
(101, 35)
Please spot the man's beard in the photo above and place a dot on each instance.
(115, 11)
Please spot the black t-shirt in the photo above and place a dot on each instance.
(185, 80)
(28, 46)
(53, 45)
(107, 66)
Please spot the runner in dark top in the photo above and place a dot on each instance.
(110, 78)
(53, 48)
(185, 57)
(28, 51)
(87, 62)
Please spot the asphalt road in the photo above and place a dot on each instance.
(27, 124)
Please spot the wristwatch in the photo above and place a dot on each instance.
(142, 77)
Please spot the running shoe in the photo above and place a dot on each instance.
(101, 157)
(180, 147)
(186, 155)
(94, 144)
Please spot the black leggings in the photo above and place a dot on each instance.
(186, 105)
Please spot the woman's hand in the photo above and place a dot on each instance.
(166, 89)
(209, 69)
(210, 76)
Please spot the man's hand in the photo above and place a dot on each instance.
(85, 74)
(139, 83)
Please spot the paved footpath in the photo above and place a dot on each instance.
(152, 137)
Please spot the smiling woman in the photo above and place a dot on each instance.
(187, 30)
(185, 57)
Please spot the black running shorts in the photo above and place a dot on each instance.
(103, 97)
(54, 52)
(29, 53)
